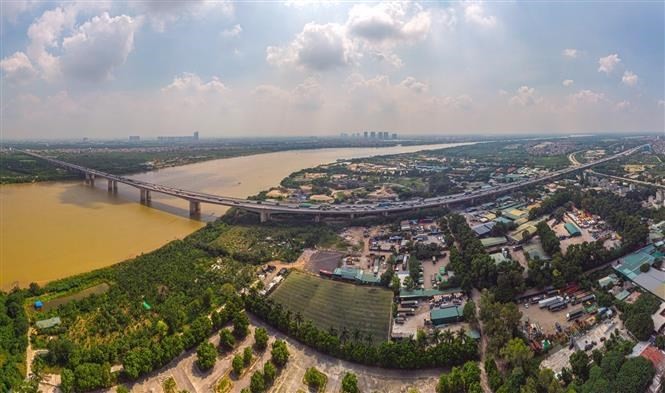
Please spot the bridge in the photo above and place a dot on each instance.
(266, 208)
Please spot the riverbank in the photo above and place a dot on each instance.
(52, 230)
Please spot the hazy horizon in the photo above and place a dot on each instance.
(107, 70)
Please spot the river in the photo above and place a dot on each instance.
(53, 230)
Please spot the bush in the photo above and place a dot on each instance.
(237, 364)
(315, 379)
(269, 373)
(206, 356)
(279, 353)
(261, 338)
(350, 383)
(226, 339)
(645, 267)
(257, 384)
(247, 356)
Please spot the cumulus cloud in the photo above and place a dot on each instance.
(232, 32)
(525, 96)
(586, 97)
(474, 12)
(10, 10)
(369, 30)
(191, 83)
(17, 67)
(98, 46)
(608, 63)
(461, 102)
(570, 53)
(317, 47)
(307, 96)
(568, 82)
(45, 34)
(629, 78)
(387, 22)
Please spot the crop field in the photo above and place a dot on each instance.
(329, 303)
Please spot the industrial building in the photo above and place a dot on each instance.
(572, 229)
(652, 280)
(443, 316)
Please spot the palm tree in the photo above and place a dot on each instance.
(447, 336)
(436, 336)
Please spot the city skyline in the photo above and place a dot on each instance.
(109, 70)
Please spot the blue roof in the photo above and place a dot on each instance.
(39, 304)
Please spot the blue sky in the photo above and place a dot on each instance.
(107, 69)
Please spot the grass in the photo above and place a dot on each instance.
(329, 303)
(224, 385)
(94, 290)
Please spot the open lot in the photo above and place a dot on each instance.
(546, 319)
(82, 294)
(323, 260)
(330, 303)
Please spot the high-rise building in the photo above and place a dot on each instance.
(394, 135)
(365, 134)
(134, 138)
(372, 134)
(196, 135)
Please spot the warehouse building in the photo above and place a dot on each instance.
(443, 316)
(572, 229)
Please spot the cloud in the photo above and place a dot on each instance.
(623, 105)
(568, 82)
(474, 12)
(607, 63)
(10, 10)
(461, 102)
(629, 78)
(661, 103)
(98, 46)
(570, 53)
(317, 47)
(232, 32)
(414, 85)
(45, 34)
(369, 30)
(387, 22)
(18, 67)
(191, 83)
(525, 96)
(162, 13)
(586, 97)
(307, 96)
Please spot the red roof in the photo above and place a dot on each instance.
(654, 355)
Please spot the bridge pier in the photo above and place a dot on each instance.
(264, 216)
(352, 215)
(317, 218)
(109, 185)
(90, 179)
(194, 208)
(385, 214)
(145, 196)
(115, 186)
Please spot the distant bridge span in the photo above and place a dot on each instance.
(265, 208)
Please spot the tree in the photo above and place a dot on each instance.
(261, 338)
(206, 356)
(634, 376)
(350, 383)
(257, 383)
(517, 353)
(237, 364)
(269, 372)
(315, 378)
(640, 325)
(660, 342)
(240, 324)
(645, 267)
(279, 353)
(226, 339)
(247, 356)
(469, 313)
(579, 363)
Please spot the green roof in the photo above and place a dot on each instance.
(405, 294)
(629, 265)
(572, 229)
(445, 315)
(493, 241)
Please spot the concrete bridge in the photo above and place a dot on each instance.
(267, 208)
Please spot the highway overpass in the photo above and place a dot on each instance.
(266, 208)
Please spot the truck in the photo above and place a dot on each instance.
(550, 300)
(409, 303)
(575, 314)
(583, 299)
(406, 311)
(560, 305)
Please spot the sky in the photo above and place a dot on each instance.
(103, 69)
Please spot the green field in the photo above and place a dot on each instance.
(329, 303)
